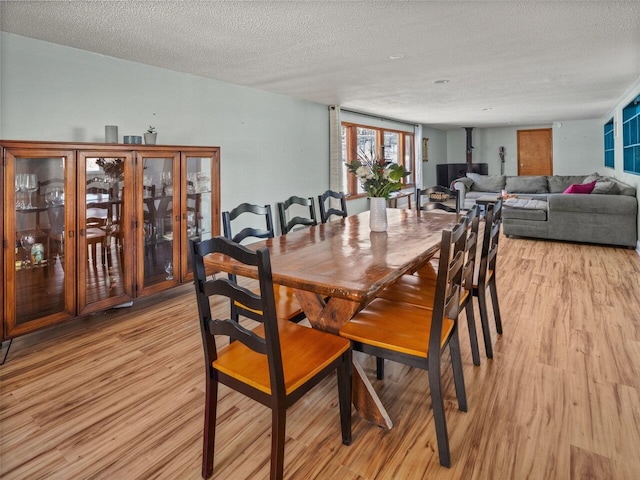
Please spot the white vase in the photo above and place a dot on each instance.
(378, 214)
(150, 138)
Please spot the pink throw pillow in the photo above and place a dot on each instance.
(581, 187)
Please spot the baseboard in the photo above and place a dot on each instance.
(638, 247)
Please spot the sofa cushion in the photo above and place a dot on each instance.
(590, 178)
(581, 187)
(593, 204)
(486, 183)
(559, 183)
(606, 188)
(525, 209)
(526, 184)
(475, 195)
(623, 187)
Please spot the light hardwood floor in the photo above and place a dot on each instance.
(120, 395)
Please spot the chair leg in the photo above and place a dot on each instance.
(278, 425)
(380, 368)
(496, 307)
(234, 313)
(458, 373)
(345, 374)
(484, 319)
(6, 353)
(438, 412)
(473, 335)
(94, 250)
(210, 409)
(105, 252)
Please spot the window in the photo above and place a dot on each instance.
(631, 137)
(608, 144)
(394, 145)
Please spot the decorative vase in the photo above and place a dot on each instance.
(111, 134)
(150, 138)
(378, 214)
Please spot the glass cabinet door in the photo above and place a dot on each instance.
(104, 216)
(158, 218)
(200, 222)
(39, 226)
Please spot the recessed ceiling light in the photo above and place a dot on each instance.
(439, 82)
(487, 109)
(396, 56)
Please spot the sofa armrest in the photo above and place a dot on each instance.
(462, 189)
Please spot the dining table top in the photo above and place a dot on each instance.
(344, 258)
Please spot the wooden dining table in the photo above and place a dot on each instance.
(338, 267)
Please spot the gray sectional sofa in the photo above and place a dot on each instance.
(608, 215)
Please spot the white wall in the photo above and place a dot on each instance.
(272, 146)
(437, 154)
(577, 147)
(486, 142)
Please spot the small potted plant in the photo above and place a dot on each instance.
(150, 136)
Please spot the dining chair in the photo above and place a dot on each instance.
(417, 336)
(294, 203)
(257, 221)
(327, 209)
(105, 213)
(420, 290)
(95, 235)
(274, 364)
(438, 198)
(485, 275)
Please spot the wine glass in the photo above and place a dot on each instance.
(30, 185)
(58, 196)
(192, 180)
(53, 196)
(19, 185)
(147, 182)
(27, 240)
(168, 268)
(166, 183)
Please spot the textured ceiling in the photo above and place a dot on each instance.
(507, 62)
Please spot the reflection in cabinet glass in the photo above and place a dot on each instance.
(160, 189)
(103, 229)
(199, 201)
(39, 290)
(39, 236)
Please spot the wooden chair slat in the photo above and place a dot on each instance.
(326, 213)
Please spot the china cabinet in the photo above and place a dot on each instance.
(87, 227)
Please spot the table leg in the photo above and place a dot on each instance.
(366, 400)
(329, 316)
